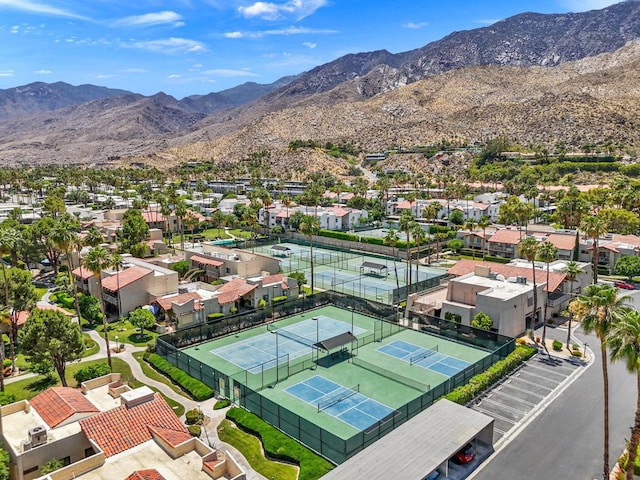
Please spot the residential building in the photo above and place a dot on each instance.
(336, 217)
(219, 262)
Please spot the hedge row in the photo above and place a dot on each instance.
(193, 386)
(92, 371)
(277, 445)
(465, 393)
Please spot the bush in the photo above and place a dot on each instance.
(279, 446)
(557, 345)
(214, 316)
(195, 430)
(220, 404)
(194, 417)
(279, 299)
(92, 371)
(465, 393)
(7, 398)
(193, 386)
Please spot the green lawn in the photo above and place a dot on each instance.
(40, 292)
(251, 448)
(126, 333)
(240, 233)
(209, 235)
(150, 372)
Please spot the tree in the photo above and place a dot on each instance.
(571, 270)
(598, 308)
(456, 217)
(483, 223)
(299, 277)
(391, 239)
(143, 319)
(455, 244)
(547, 253)
(65, 238)
(528, 249)
(419, 238)
(134, 229)
(406, 225)
(482, 321)
(620, 221)
(48, 335)
(623, 341)
(310, 226)
(594, 227)
(96, 260)
(628, 266)
(93, 237)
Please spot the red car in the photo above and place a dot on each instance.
(623, 285)
(465, 455)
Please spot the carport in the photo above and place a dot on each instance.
(281, 251)
(421, 445)
(373, 268)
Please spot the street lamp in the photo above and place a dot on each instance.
(584, 354)
(117, 347)
(277, 356)
(351, 308)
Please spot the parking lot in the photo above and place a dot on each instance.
(510, 401)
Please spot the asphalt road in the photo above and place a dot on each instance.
(565, 440)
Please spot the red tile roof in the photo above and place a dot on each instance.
(630, 239)
(511, 237)
(151, 216)
(167, 302)
(232, 291)
(48, 306)
(464, 267)
(58, 404)
(151, 474)
(405, 205)
(82, 273)
(125, 427)
(206, 261)
(340, 212)
(275, 280)
(124, 278)
(562, 242)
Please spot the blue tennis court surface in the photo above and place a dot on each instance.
(253, 352)
(424, 357)
(346, 404)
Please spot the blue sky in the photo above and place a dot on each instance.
(186, 47)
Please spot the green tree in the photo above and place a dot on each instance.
(620, 221)
(528, 249)
(456, 217)
(51, 466)
(484, 222)
(96, 260)
(48, 335)
(143, 319)
(482, 321)
(623, 341)
(65, 238)
(628, 266)
(405, 223)
(594, 227)
(4, 464)
(572, 270)
(310, 226)
(455, 244)
(598, 308)
(53, 206)
(299, 277)
(134, 229)
(391, 239)
(547, 253)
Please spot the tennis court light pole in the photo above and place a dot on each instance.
(351, 308)
(277, 357)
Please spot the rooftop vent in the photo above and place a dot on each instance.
(37, 436)
(521, 279)
(137, 396)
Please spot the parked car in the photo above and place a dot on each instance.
(623, 285)
(465, 454)
(433, 475)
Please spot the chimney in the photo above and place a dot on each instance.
(482, 271)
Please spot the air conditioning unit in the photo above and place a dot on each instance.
(183, 290)
(37, 436)
(26, 446)
(521, 279)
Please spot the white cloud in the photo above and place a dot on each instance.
(281, 31)
(34, 7)
(134, 70)
(15, 29)
(171, 45)
(149, 19)
(174, 75)
(102, 76)
(415, 25)
(6, 73)
(488, 21)
(43, 72)
(584, 5)
(298, 9)
(311, 45)
(224, 72)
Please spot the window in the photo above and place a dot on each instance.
(30, 470)
(66, 461)
(88, 452)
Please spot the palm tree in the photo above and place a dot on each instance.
(624, 344)
(594, 227)
(310, 226)
(547, 253)
(419, 236)
(528, 249)
(391, 239)
(5, 321)
(571, 270)
(406, 224)
(483, 223)
(598, 308)
(470, 225)
(65, 238)
(96, 260)
(94, 237)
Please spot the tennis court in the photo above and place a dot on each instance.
(345, 404)
(429, 358)
(293, 341)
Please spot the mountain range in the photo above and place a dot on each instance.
(535, 77)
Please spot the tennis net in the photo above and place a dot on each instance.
(292, 336)
(393, 376)
(423, 354)
(338, 397)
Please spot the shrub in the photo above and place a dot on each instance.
(262, 303)
(214, 316)
(195, 430)
(279, 299)
(193, 386)
(277, 445)
(194, 417)
(521, 341)
(7, 398)
(557, 345)
(465, 393)
(220, 404)
(92, 371)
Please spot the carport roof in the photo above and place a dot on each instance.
(417, 447)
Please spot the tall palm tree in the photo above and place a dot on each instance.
(623, 341)
(470, 225)
(65, 238)
(96, 260)
(310, 226)
(528, 249)
(598, 308)
(94, 237)
(5, 321)
(483, 222)
(594, 227)
(571, 270)
(547, 253)
(419, 237)
(391, 239)
(406, 224)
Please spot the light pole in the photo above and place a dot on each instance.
(584, 355)
(317, 320)
(351, 308)
(277, 356)
(117, 346)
